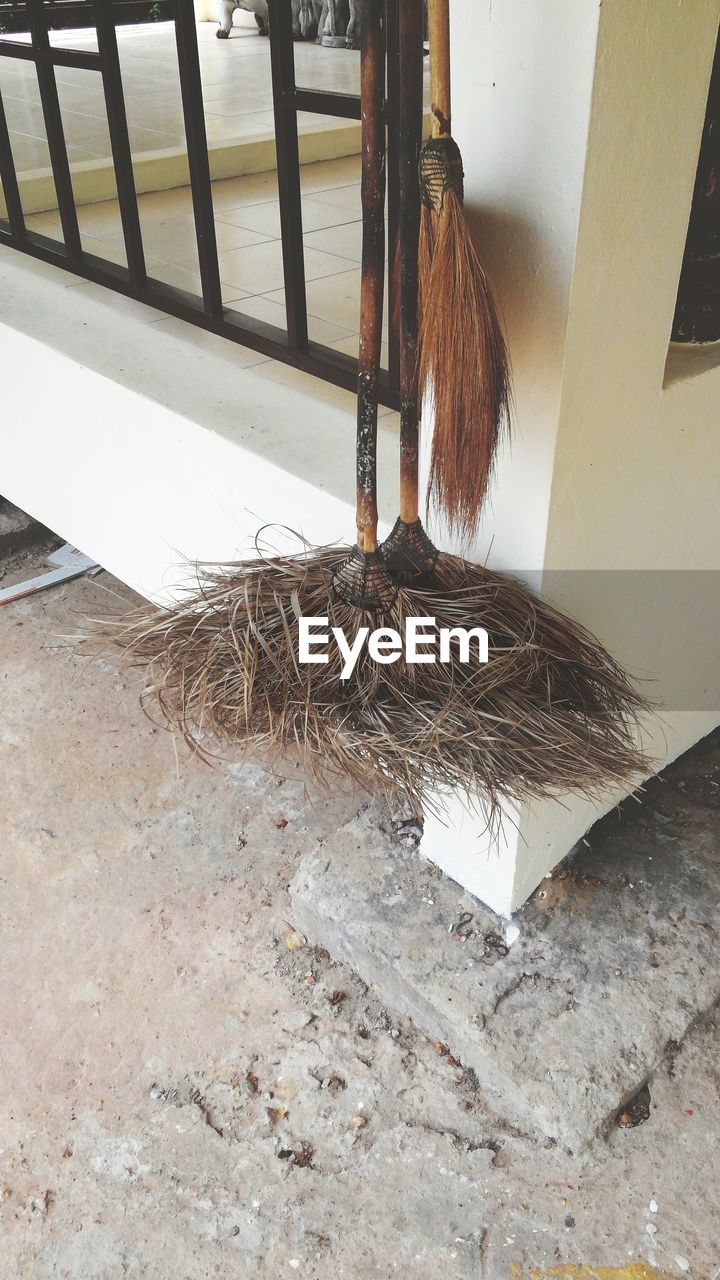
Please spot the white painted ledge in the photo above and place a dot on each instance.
(151, 445)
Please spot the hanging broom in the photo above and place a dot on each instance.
(550, 712)
(463, 359)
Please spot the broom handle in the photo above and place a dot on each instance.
(372, 98)
(439, 37)
(410, 77)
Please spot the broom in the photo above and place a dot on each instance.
(463, 359)
(550, 712)
(221, 664)
(362, 580)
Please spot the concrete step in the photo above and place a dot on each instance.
(564, 1013)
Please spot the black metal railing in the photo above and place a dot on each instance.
(291, 345)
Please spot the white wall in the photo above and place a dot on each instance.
(522, 92)
(637, 463)
(522, 84)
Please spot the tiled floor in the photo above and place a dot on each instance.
(236, 83)
(250, 259)
(247, 226)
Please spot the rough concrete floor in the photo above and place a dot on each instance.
(23, 542)
(187, 1095)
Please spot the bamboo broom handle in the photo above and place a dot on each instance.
(410, 75)
(372, 99)
(439, 37)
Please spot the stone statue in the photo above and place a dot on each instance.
(226, 8)
(332, 23)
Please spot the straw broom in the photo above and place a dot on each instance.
(550, 712)
(222, 665)
(463, 359)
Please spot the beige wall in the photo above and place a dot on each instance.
(615, 465)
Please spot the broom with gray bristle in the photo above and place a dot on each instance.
(222, 665)
(463, 359)
(550, 712)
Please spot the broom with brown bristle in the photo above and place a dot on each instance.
(549, 712)
(463, 358)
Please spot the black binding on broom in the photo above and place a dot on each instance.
(440, 170)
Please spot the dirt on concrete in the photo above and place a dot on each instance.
(20, 532)
(567, 1011)
(23, 543)
(190, 1092)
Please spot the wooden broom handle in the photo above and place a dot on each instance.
(439, 37)
(410, 78)
(372, 194)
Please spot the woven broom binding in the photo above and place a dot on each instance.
(408, 553)
(441, 170)
(363, 581)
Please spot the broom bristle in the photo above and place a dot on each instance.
(549, 712)
(426, 249)
(464, 362)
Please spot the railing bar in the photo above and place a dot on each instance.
(54, 129)
(8, 177)
(82, 58)
(282, 62)
(410, 77)
(120, 140)
(322, 102)
(197, 149)
(16, 49)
